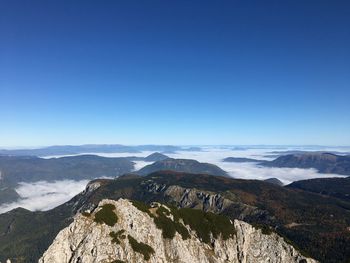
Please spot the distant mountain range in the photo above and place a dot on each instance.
(183, 165)
(312, 223)
(280, 153)
(154, 157)
(241, 160)
(323, 162)
(95, 148)
(16, 169)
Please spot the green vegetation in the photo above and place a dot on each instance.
(163, 211)
(266, 230)
(293, 244)
(86, 214)
(117, 235)
(163, 221)
(106, 215)
(169, 227)
(141, 206)
(205, 223)
(201, 222)
(141, 248)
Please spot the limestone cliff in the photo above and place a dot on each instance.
(125, 231)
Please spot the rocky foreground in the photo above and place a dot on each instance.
(128, 231)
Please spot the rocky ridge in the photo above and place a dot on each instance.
(129, 234)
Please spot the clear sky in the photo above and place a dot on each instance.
(174, 72)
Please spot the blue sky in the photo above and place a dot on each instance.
(174, 72)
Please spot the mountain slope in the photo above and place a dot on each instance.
(241, 160)
(154, 157)
(313, 223)
(274, 181)
(16, 169)
(8, 194)
(139, 233)
(335, 187)
(323, 162)
(182, 165)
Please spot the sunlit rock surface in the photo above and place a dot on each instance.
(85, 240)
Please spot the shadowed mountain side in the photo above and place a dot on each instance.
(335, 187)
(241, 160)
(182, 165)
(154, 157)
(8, 194)
(323, 162)
(274, 181)
(16, 169)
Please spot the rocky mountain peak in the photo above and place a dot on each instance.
(130, 231)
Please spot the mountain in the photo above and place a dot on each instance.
(129, 231)
(183, 165)
(323, 162)
(16, 169)
(335, 187)
(241, 160)
(274, 181)
(281, 153)
(154, 157)
(94, 148)
(312, 223)
(7, 194)
(71, 149)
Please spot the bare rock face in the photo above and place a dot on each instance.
(193, 198)
(118, 231)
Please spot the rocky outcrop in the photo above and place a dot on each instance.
(208, 201)
(120, 231)
(194, 198)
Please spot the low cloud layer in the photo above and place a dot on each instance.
(140, 164)
(251, 170)
(286, 175)
(44, 195)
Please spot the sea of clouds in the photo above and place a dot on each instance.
(46, 195)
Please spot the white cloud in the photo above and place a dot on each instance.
(140, 164)
(286, 175)
(215, 155)
(44, 195)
